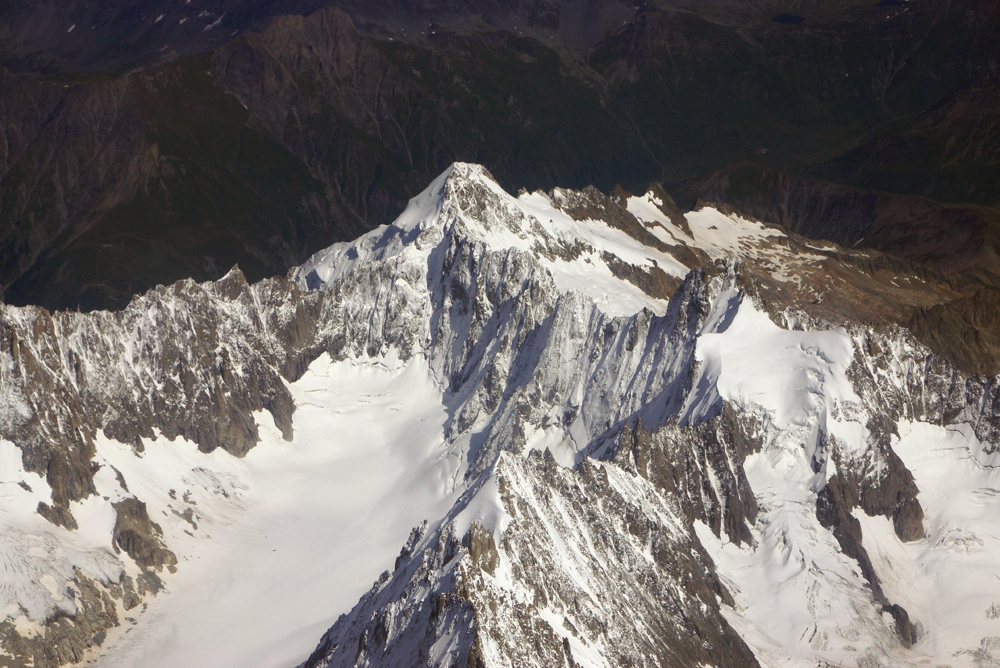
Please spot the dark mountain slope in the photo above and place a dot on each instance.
(349, 112)
(960, 238)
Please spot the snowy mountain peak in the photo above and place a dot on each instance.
(423, 225)
(587, 242)
(596, 410)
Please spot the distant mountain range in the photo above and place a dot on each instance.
(144, 143)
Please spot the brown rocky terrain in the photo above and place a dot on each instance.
(301, 125)
(962, 239)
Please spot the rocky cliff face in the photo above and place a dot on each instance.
(590, 566)
(729, 460)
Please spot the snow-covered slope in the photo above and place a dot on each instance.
(625, 437)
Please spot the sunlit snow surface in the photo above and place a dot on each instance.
(298, 530)
(950, 580)
(798, 598)
(36, 558)
(540, 220)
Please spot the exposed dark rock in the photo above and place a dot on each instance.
(925, 386)
(652, 280)
(482, 549)
(684, 462)
(966, 331)
(908, 632)
(58, 515)
(514, 355)
(140, 537)
(70, 156)
(590, 203)
(129, 597)
(199, 396)
(954, 238)
(881, 485)
(833, 509)
(947, 153)
(259, 141)
(666, 204)
(166, 147)
(65, 639)
(73, 38)
(789, 19)
(548, 504)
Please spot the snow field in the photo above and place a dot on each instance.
(949, 581)
(298, 531)
(798, 597)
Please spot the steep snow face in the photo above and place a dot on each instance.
(504, 321)
(465, 201)
(412, 234)
(797, 595)
(37, 559)
(798, 598)
(456, 282)
(592, 567)
(824, 398)
(793, 379)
